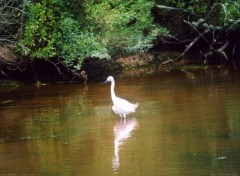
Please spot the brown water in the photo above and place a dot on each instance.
(187, 124)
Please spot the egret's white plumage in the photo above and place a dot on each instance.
(120, 106)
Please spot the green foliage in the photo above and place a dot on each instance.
(74, 30)
(40, 32)
(122, 25)
(230, 12)
(74, 45)
(222, 12)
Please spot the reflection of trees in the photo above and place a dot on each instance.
(193, 122)
(187, 126)
(35, 121)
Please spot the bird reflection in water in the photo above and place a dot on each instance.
(122, 131)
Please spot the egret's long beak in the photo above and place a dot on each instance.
(105, 81)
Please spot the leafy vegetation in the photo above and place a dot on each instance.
(216, 24)
(230, 12)
(102, 29)
(72, 30)
(226, 10)
(122, 26)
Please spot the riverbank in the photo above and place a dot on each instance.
(39, 71)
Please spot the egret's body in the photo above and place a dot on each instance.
(120, 106)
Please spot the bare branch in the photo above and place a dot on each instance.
(199, 33)
(10, 15)
(221, 50)
(168, 61)
(55, 67)
(188, 47)
(3, 73)
(172, 39)
(175, 9)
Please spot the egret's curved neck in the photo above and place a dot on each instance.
(112, 89)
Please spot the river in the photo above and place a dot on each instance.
(187, 124)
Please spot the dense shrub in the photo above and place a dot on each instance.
(74, 31)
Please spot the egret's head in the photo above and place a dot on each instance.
(109, 79)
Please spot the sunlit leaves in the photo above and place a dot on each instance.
(74, 30)
(40, 32)
(74, 45)
(230, 11)
(125, 26)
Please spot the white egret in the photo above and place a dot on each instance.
(120, 106)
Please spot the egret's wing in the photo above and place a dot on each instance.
(123, 106)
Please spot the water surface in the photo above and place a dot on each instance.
(187, 123)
